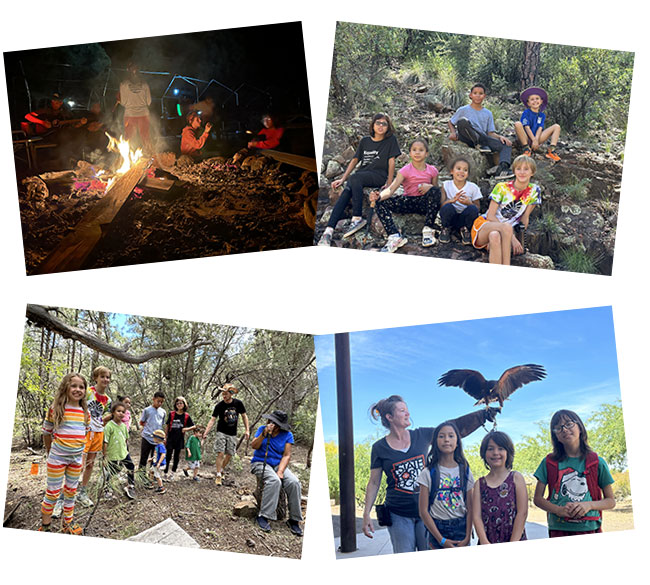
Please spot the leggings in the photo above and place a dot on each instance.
(353, 190)
(427, 205)
(63, 471)
(174, 447)
(471, 136)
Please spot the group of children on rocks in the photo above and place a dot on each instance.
(84, 422)
(456, 200)
(579, 487)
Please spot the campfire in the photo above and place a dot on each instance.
(138, 209)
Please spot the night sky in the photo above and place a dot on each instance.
(270, 58)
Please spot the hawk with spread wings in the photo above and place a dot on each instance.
(486, 391)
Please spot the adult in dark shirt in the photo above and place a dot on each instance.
(226, 415)
(377, 154)
(178, 423)
(401, 455)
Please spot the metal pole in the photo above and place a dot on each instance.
(346, 442)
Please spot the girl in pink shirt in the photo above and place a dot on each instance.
(421, 195)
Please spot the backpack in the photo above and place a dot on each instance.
(171, 418)
(463, 472)
(554, 478)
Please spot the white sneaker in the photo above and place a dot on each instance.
(428, 237)
(394, 242)
(84, 500)
(325, 240)
(58, 508)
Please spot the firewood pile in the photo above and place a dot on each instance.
(216, 206)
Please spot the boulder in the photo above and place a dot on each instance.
(479, 163)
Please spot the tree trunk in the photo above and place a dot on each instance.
(530, 65)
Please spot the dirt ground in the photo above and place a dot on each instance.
(202, 509)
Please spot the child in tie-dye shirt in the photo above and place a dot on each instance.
(64, 437)
(511, 204)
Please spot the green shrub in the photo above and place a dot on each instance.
(578, 260)
(621, 485)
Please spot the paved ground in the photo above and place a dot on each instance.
(380, 543)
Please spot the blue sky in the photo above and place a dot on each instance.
(577, 349)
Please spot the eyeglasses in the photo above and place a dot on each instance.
(567, 425)
(381, 123)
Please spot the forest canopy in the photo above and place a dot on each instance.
(271, 369)
(588, 86)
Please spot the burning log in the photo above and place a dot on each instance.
(76, 246)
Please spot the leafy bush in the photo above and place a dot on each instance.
(621, 486)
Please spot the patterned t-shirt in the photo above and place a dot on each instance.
(513, 203)
(98, 406)
(69, 438)
(449, 502)
(402, 469)
(573, 488)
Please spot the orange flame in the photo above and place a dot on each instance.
(129, 156)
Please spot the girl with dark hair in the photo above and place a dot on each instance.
(500, 502)
(178, 423)
(421, 195)
(446, 483)
(401, 455)
(579, 481)
(377, 153)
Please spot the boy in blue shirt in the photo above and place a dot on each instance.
(530, 128)
(474, 125)
(158, 458)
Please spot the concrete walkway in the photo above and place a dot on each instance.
(167, 532)
(380, 543)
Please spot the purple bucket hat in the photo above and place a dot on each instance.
(534, 91)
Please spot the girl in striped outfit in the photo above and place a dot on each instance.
(64, 437)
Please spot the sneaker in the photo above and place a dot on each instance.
(129, 490)
(45, 528)
(527, 152)
(465, 236)
(72, 528)
(171, 476)
(294, 525)
(185, 473)
(58, 508)
(394, 242)
(84, 500)
(445, 235)
(428, 238)
(161, 490)
(263, 523)
(552, 155)
(492, 170)
(484, 148)
(325, 239)
(505, 172)
(218, 480)
(195, 479)
(355, 226)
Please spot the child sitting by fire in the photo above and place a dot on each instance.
(190, 144)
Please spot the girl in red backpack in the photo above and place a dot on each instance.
(446, 483)
(500, 498)
(179, 422)
(579, 481)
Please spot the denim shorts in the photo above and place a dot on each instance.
(452, 529)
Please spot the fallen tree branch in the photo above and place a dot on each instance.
(41, 317)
